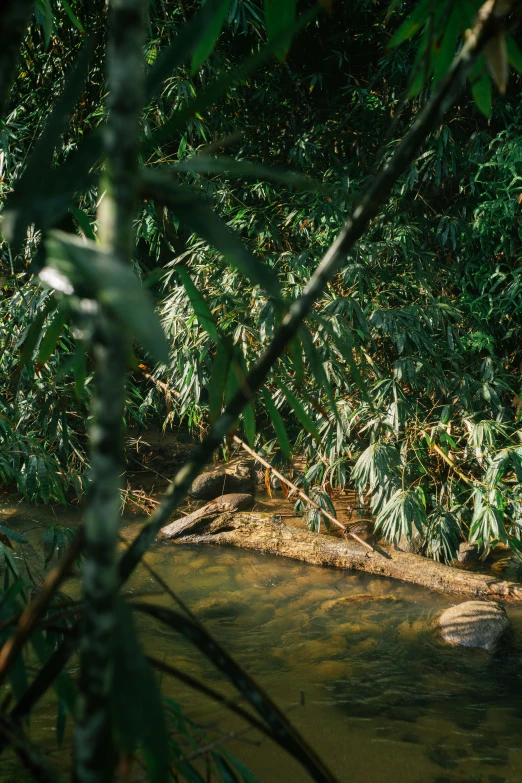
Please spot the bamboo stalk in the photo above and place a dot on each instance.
(95, 751)
(302, 494)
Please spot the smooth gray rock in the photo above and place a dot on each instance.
(468, 552)
(211, 485)
(475, 624)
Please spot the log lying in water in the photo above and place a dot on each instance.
(236, 501)
(265, 533)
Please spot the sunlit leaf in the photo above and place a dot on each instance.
(198, 303)
(52, 335)
(99, 274)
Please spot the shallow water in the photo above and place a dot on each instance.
(384, 698)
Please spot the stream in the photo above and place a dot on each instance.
(353, 657)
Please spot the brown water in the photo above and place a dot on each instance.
(384, 699)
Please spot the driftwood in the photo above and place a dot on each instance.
(266, 533)
(225, 503)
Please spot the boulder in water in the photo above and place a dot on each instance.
(475, 624)
(211, 485)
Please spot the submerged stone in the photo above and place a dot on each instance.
(475, 624)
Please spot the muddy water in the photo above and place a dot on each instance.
(355, 660)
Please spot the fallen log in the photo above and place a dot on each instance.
(236, 501)
(265, 533)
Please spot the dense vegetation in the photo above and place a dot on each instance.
(404, 378)
(427, 306)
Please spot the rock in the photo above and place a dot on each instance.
(364, 529)
(475, 624)
(468, 552)
(211, 485)
(509, 568)
(415, 546)
(245, 468)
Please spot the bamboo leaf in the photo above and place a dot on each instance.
(299, 411)
(34, 332)
(202, 220)
(411, 24)
(316, 365)
(52, 335)
(84, 222)
(209, 39)
(13, 535)
(280, 22)
(182, 46)
(218, 380)
(278, 424)
(33, 197)
(198, 303)
(99, 274)
(72, 16)
(481, 86)
(203, 164)
(138, 711)
(514, 54)
(448, 45)
(249, 423)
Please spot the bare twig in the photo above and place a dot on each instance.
(301, 494)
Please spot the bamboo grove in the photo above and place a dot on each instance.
(299, 222)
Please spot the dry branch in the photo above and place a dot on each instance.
(302, 494)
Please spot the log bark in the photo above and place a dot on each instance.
(226, 503)
(265, 533)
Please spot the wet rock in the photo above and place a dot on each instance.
(468, 552)
(415, 546)
(211, 485)
(475, 624)
(364, 529)
(508, 568)
(245, 468)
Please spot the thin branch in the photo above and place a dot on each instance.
(196, 685)
(38, 605)
(38, 767)
(282, 730)
(301, 494)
